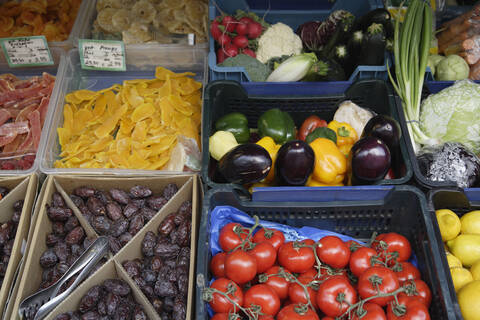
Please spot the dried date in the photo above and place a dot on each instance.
(156, 202)
(170, 191)
(112, 303)
(147, 213)
(148, 244)
(57, 200)
(101, 224)
(103, 196)
(166, 250)
(62, 251)
(59, 213)
(71, 223)
(136, 224)
(165, 289)
(129, 210)
(140, 192)
(167, 225)
(120, 226)
(125, 238)
(75, 236)
(58, 228)
(96, 206)
(120, 196)
(114, 244)
(48, 259)
(132, 268)
(84, 192)
(77, 201)
(114, 211)
(117, 286)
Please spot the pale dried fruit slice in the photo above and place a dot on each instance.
(144, 12)
(121, 20)
(104, 19)
(137, 33)
(103, 4)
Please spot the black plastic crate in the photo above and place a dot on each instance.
(223, 97)
(459, 201)
(401, 209)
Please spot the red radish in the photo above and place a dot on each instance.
(230, 23)
(249, 52)
(246, 20)
(224, 39)
(242, 28)
(240, 41)
(231, 50)
(214, 30)
(220, 55)
(254, 30)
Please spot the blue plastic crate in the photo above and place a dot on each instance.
(292, 13)
(401, 209)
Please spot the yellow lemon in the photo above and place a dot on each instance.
(460, 277)
(449, 224)
(453, 261)
(475, 270)
(466, 247)
(471, 222)
(469, 300)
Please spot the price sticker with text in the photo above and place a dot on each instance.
(102, 55)
(27, 51)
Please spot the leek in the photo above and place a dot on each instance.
(293, 69)
(411, 49)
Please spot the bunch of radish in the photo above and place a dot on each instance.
(235, 36)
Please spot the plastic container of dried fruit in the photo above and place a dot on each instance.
(141, 63)
(90, 14)
(59, 56)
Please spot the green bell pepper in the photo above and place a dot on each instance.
(235, 123)
(321, 132)
(276, 124)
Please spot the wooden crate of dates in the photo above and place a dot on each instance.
(17, 196)
(76, 209)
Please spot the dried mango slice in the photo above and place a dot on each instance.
(111, 122)
(142, 112)
(161, 73)
(85, 95)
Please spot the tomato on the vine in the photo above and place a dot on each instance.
(335, 295)
(262, 298)
(333, 251)
(265, 255)
(370, 311)
(353, 245)
(362, 259)
(217, 265)
(310, 273)
(296, 256)
(419, 290)
(277, 283)
(225, 316)
(296, 294)
(406, 271)
(220, 303)
(412, 309)
(377, 280)
(231, 236)
(240, 266)
(275, 237)
(396, 245)
(297, 312)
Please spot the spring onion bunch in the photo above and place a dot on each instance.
(411, 48)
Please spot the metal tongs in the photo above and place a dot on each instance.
(47, 299)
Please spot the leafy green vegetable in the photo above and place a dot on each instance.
(433, 60)
(256, 70)
(274, 62)
(452, 68)
(452, 114)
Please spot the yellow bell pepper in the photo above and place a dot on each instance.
(314, 183)
(272, 148)
(346, 135)
(330, 163)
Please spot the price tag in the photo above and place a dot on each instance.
(102, 55)
(27, 51)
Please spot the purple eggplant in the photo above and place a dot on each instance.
(370, 160)
(246, 163)
(385, 128)
(294, 163)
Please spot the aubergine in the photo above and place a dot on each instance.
(370, 161)
(385, 128)
(354, 46)
(340, 36)
(341, 54)
(246, 163)
(374, 43)
(294, 163)
(380, 15)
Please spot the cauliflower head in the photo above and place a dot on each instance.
(276, 41)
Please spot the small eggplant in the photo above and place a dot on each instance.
(370, 160)
(294, 163)
(385, 128)
(246, 163)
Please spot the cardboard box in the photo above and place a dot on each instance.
(24, 187)
(188, 189)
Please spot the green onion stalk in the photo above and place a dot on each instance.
(411, 49)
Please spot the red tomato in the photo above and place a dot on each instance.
(266, 317)
(385, 280)
(240, 266)
(419, 290)
(264, 297)
(331, 291)
(265, 255)
(310, 273)
(229, 23)
(361, 260)
(308, 125)
(406, 271)
(371, 311)
(279, 284)
(221, 316)
(353, 245)
(395, 243)
(296, 294)
(275, 237)
(217, 265)
(415, 310)
(296, 258)
(297, 312)
(333, 251)
(231, 236)
(327, 318)
(220, 303)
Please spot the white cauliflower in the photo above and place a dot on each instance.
(276, 41)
